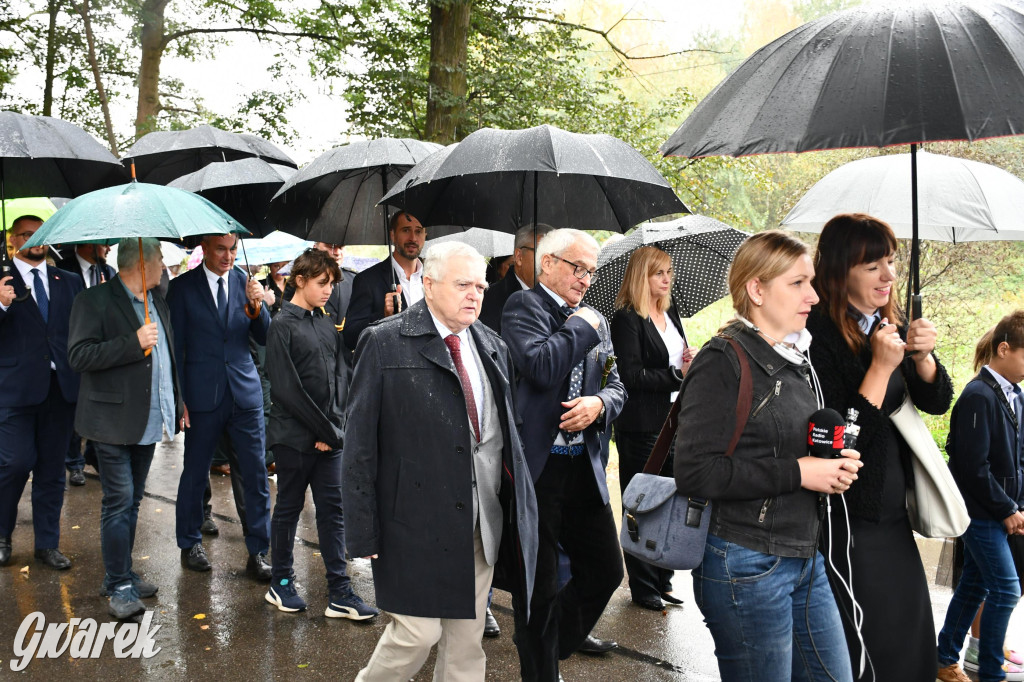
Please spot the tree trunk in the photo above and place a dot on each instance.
(101, 92)
(446, 81)
(51, 57)
(151, 17)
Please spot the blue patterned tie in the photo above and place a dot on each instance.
(41, 298)
(222, 301)
(575, 380)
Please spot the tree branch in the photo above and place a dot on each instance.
(256, 31)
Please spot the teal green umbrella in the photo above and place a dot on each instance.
(138, 209)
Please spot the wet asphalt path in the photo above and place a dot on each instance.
(241, 637)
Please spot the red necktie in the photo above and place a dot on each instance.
(452, 342)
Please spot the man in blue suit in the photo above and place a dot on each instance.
(38, 392)
(222, 392)
(567, 401)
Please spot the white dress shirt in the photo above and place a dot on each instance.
(211, 278)
(412, 286)
(1008, 388)
(87, 270)
(470, 361)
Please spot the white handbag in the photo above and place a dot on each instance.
(935, 505)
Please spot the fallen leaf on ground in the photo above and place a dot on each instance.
(303, 665)
(75, 527)
(158, 510)
(204, 627)
(144, 558)
(199, 616)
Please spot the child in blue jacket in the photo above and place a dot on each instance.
(984, 447)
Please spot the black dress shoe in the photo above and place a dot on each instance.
(491, 628)
(670, 599)
(594, 646)
(53, 558)
(5, 551)
(209, 527)
(258, 567)
(649, 603)
(194, 558)
(76, 477)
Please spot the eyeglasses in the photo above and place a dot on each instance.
(580, 271)
(24, 235)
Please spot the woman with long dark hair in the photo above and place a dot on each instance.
(652, 356)
(867, 358)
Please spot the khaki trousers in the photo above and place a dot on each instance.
(407, 640)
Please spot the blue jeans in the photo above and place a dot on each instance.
(989, 576)
(123, 471)
(772, 618)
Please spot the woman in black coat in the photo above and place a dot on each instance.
(867, 359)
(652, 356)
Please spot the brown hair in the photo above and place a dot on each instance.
(635, 291)
(847, 240)
(1010, 330)
(312, 263)
(764, 256)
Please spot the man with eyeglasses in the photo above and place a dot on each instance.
(38, 392)
(568, 398)
(519, 277)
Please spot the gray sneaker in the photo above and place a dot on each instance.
(124, 603)
(144, 588)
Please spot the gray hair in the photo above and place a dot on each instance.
(557, 242)
(435, 261)
(128, 251)
(524, 235)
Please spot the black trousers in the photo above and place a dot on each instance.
(570, 513)
(645, 581)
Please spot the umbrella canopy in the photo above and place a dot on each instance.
(335, 197)
(873, 76)
(489, 243)
(163, 156)
(274, 248)
(960, 200)
(41, 207)
(504, 179)
(242, 188)
(137, 209)
(43, 157)
(701, 250)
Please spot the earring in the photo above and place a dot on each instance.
(758, 303)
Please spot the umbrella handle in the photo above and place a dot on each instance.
(253, 311)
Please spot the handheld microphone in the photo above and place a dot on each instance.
(826, 432)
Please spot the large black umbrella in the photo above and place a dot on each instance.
(163, 156)
(335, 197)
(42, 156)
(701, 250)
(504, 179)
(879, 75)
(242, 188)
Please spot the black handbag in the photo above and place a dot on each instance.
(660, 525)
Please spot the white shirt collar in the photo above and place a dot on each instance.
(401, 271)
(866, 321)
(212, 276)
(25, 269)
(523, 284)
(445, 332)
(1004, 383)
(558, 299)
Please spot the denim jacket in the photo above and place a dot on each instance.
(757, 499)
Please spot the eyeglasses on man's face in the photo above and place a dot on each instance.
(580, 271)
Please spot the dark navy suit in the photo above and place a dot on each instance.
(366, 300)
(572, 493)
(37, 404)
(222, 391)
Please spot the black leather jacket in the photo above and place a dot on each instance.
(757, 499)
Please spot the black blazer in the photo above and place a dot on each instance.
(114, 401)
(367, 300)
(642, 359)
(984, 448)
(70, 264)
(494, 300)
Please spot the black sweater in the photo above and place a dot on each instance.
(841, 372)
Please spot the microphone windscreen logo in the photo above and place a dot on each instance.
(826, 435)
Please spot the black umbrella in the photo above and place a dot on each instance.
(873, 76)
(242, 188)
(504, 179)
(163, 156)
(335, 197)
(701, 250)
(42, 156)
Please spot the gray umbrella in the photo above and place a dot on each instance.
(163, 156)
(701, 250)
(334, 198)
(242, 188)
(504, 179)
(489, 243)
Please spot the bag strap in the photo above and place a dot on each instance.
(744, 400)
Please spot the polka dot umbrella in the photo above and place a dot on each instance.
(701, 249)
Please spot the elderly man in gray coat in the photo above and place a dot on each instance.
(436, 488)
